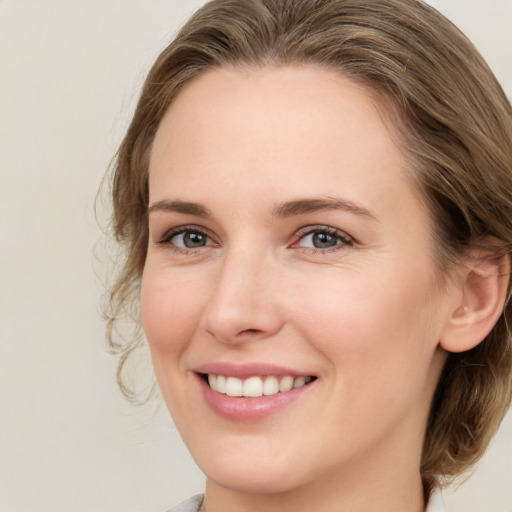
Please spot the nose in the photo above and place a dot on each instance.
(243, 305)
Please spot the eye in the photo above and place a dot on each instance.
(322, 238)
(186, 238)
(190, 239)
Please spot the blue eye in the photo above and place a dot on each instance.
(323, 238)
(190, 239)
(187, 238)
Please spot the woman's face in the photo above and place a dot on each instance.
(287, 248)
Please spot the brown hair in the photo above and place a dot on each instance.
(454, 124)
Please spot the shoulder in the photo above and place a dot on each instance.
(191, 505)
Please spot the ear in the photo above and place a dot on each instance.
(483, 291)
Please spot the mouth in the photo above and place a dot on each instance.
(255, 386)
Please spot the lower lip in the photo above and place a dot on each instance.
(249, 409)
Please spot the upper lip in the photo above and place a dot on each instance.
(244, 371)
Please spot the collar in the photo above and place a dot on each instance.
(436, 503)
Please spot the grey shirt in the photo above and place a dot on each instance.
(194, 504)
(191, 505)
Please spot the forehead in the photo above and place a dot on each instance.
(285, 117)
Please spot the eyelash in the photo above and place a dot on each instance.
(344, 239)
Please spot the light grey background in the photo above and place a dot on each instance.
(70, 71)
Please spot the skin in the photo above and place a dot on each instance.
(365, 316)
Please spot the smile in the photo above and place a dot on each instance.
(255, 387)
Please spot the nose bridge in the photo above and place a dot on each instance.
(243, 303)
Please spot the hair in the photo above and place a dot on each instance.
(454, 124)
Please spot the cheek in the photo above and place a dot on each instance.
(366, 324)
(379, 345)
(170, 311)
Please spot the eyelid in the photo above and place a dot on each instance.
(306, 230)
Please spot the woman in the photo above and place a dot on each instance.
(315, 197)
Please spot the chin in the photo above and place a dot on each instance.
(253, 475)
(253, 481)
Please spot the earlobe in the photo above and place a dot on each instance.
(484, 290)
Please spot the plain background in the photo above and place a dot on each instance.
(70, 71)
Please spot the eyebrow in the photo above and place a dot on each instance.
(281, 210)
(310, 205)
(184, 207)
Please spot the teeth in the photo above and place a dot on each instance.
(299, 382)
(221, 384)
(234, 386)
(271, 386)
(212, 380)
(255, 386)
(286, 384)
